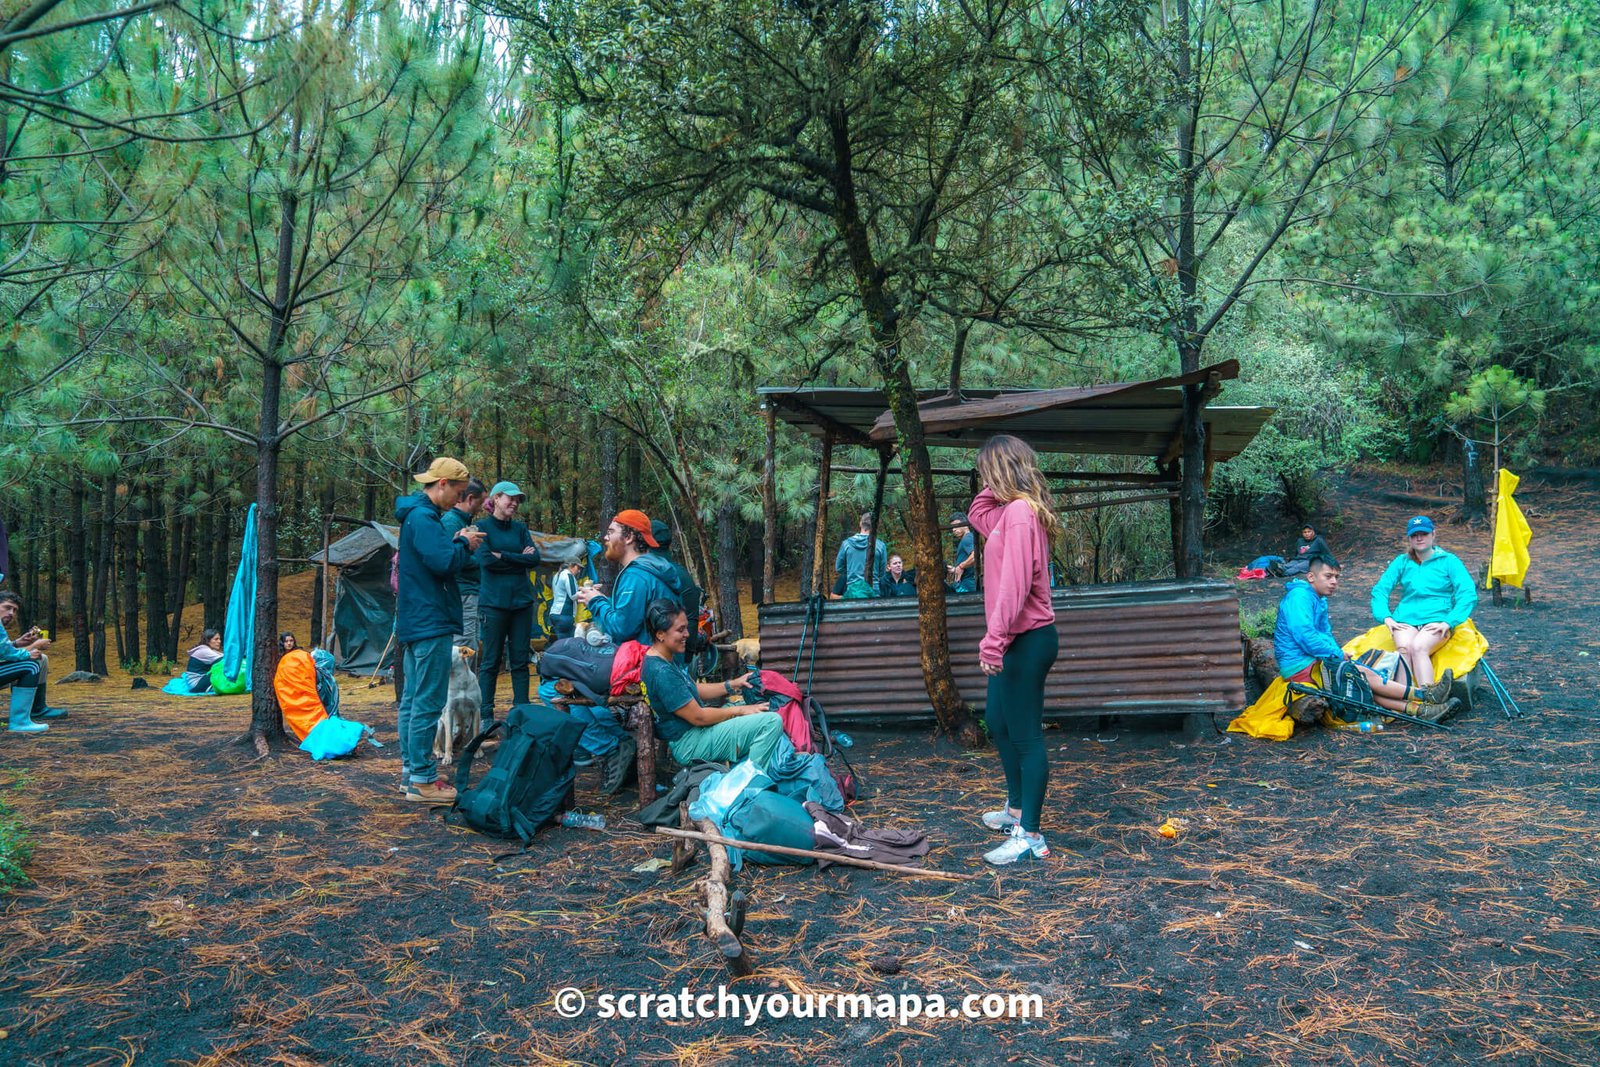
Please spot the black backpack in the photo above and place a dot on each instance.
(531, 778)
(1341, 678)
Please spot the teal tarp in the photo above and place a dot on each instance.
(239, 626)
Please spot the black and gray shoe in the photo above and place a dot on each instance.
(618, 766)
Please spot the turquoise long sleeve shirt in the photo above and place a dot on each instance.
(1439, 590)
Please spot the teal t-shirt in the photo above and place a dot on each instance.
(669, 688)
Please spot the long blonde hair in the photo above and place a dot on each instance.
(1010, 468)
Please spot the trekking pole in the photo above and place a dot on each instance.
(1307, 690)
(373, 681)
(1497, 687)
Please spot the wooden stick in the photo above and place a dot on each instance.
(830, 857)
(715, 885)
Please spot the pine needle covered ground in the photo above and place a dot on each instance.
(1403, 898)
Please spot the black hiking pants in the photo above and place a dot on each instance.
(505, 634)
(1015, 716)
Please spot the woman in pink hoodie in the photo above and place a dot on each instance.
(1016, 517)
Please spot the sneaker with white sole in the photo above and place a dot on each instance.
(1001, 820)
(1019, 846)
(435, 792)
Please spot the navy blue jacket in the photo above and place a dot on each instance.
(505, 580)
(467, 581)
(429, 604)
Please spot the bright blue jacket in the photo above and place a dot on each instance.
(10, 653)
(1303, 634)
(1439, 590)
(852, 558)
(429, 604)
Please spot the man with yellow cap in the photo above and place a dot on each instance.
(427, 613)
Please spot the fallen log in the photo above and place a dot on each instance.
(711, 837)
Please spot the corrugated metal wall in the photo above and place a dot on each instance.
(1138, 648)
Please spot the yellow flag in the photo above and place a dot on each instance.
(1511, 537)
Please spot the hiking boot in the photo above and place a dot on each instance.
(51, 713)
(582, 757)
(1308, 709)
(1432, 711)
(1019, 846)
(436, 792)
(1001, 820)
(1438, 691)
(618, 765)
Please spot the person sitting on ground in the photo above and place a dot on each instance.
(960, 574)
(692, 729)
(295, 685)
(1436, 595)
(897, 581)
(25, 667)
(1304, 637)
(1311, 544)
(851, 561)
(202, 657)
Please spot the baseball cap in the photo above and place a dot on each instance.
(443, 468)
(508, 489)
(634, 519)
(661, 532)
(1419, 524)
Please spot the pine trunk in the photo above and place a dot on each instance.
(155, 583)
(128, 566)
(728, 568)
(102, 578)
(77, 566)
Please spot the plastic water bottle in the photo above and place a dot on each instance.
(581, 821)
(842, 739)
(1370, 727)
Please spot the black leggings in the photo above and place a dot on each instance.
(1015, 716)
(505, 634)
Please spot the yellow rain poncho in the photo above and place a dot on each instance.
(1268, 719)
(1511, 537)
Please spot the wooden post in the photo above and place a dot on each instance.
(824, 480)
(327, 617)
(769, 509)
(1175, 514)
(877, 516)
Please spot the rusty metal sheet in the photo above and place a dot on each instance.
(1129, 649)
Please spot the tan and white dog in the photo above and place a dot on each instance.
(458, 723)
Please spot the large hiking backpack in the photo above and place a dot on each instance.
(530, 779)
(588, 667)
(1342, 678)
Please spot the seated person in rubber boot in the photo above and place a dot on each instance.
(25, 668)
(684, 716)
(1304, 636)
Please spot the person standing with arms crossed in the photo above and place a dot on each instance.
(1016, 516)
(505, 597)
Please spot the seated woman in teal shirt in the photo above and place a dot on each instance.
(691, 729)
(1436, 595)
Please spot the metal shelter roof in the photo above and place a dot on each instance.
(1120, 419)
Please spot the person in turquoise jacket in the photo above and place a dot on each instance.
(1436, 595)
(1303, 638)
(506, 559)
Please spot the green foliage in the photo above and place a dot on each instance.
(1258, 624)
(16, 847)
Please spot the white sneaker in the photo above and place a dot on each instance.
(1001, 820)
(1017, 847)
